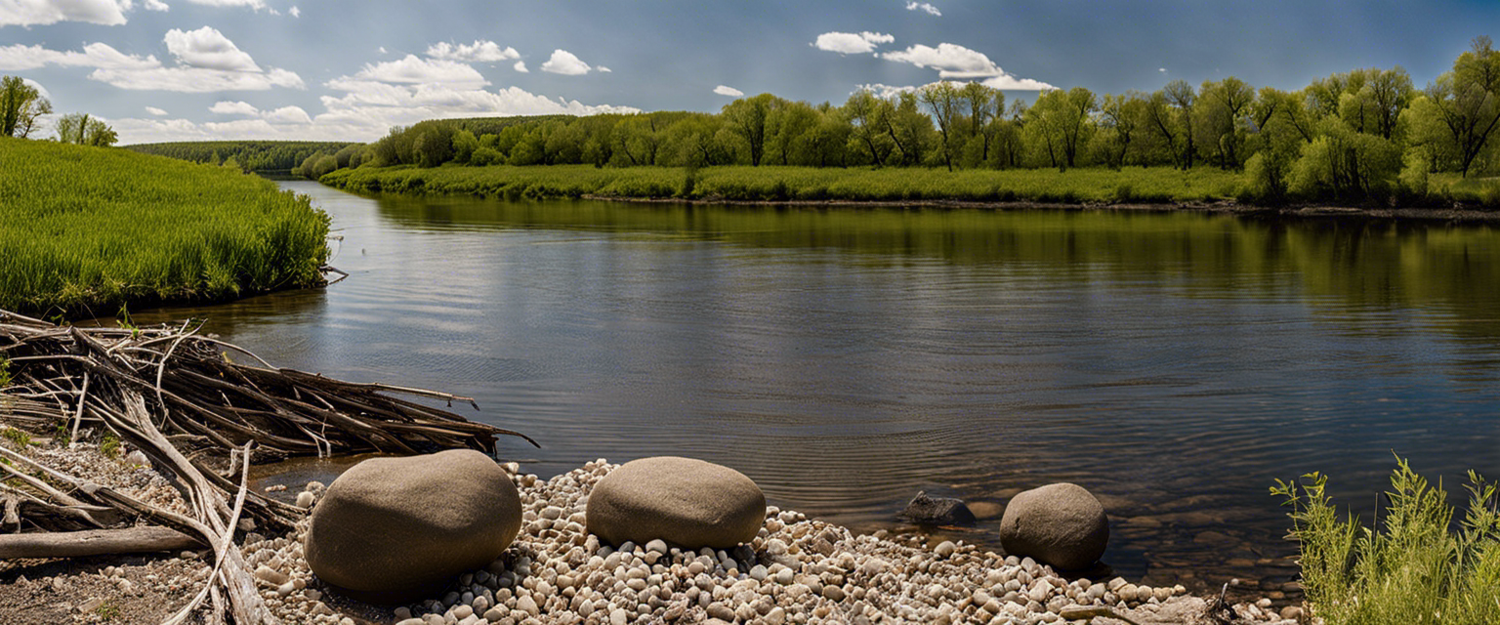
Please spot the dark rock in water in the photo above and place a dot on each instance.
(1059, 524)
(925, 510)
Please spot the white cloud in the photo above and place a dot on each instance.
(156, 5)
(885, 91)
(1162, 70)
(602, 69)
(851, 43)
(287, 115)
(38, 12)
(197, 79)
(412, 69)
(209, 49)
(156, 111)
(565, 63)
(253, 4)
(382, 50)
(521, 67)
(729, 91)
(924, 6)
(225, 107)
(480, 51)
(955, 61)
(20, 57)
(295, 12)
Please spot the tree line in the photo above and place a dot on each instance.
(262, 157)
(1361, 134)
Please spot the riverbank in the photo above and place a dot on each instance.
(797, 570)
(1152, 189)
(92, 229)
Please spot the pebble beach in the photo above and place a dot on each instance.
(796, 570)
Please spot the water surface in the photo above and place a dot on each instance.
(1174, 364)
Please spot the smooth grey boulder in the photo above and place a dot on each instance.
(1060, 524)
(686, 502)
(392, 529)
(928, 510)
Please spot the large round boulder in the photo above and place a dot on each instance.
(392, 529)
(685, 502)
(1060, 524)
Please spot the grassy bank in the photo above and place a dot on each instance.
(740, 183)
(94, 228)
(1163, 185)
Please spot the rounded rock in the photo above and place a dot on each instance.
(685, 502)
(1061, 524)
(392, 529)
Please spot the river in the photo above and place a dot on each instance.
(1174, 364)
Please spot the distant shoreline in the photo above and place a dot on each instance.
(1222, 208)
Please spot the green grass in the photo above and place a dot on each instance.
(85, 228)
(1482, 191)
(740, 183)
(1410, 569)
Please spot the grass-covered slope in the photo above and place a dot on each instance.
(741, 183)
(85, 228)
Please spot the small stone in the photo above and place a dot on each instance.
(618, 616)
(305, 499)
(90, 605)
(945, 549)
(271, 576)
(1291, 613)
(721, 612)
(412, 621)
(832, 593)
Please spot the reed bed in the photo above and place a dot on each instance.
(89, 229)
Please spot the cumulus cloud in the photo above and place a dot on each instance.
(851, 43)
(156, 111)
(156, 5)
(197, 79)
(885, 91)
(99, 55)
(728, 91)
(565, 63)
(294, 12)
(210, 49)
(412, 69)
(521, 67)
(924, 6)
(478, 52)
(40, 12)
(206, 62)
(38, 86)
(224, 107)
(955, 61)
(602, 69)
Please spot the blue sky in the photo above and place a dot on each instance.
(162, 70)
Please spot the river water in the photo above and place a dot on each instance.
(1173, 364)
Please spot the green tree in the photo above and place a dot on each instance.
(1466, 104)
(983, 106)
(864, 111)
(20, 107)
(464, 144)
(1180, 95)
(946, 105)
(1061, 121)
(1120, 123)
(81, 129)
(747, 118)
(1221, 108)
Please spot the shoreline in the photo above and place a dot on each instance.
(797, 570)
(1225, 207)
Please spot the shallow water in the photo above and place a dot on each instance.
(1174, 364)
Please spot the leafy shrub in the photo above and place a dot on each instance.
(1410, 569)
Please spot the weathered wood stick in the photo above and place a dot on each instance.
(142, 539)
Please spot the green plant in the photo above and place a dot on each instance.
(107, 611)
(5, 378)
(110, 446)
(19, 437)
(1410, 568)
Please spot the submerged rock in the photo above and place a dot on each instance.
(927, 510)
(1061, 524)
(686, 502)
(390, 529)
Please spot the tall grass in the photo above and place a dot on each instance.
(90, 228)
(776, 184)
(1408, 570)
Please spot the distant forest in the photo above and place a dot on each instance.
(262, 157)
(1364, 134)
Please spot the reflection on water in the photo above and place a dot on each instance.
(1174, 364)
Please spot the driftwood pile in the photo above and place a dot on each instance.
(182, 399)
